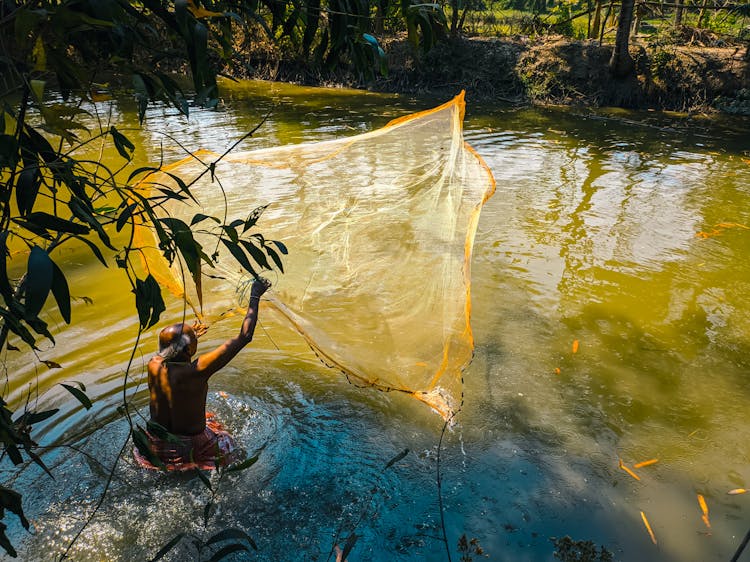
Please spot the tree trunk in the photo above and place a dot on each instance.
(454, 19)
(621, 64)
(678, 12)
(702, 13)
(639, 8)
(594, 33)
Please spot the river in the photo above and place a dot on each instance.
(626, 233)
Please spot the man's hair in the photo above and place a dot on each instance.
(175, 346)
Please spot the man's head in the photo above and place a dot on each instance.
(176, 340)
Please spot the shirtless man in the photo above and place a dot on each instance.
(178, 388)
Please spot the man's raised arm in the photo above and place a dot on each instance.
(208, 363)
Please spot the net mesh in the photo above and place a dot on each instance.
(379, 228)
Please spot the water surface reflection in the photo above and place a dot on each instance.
(591, 236)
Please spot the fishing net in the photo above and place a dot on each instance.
(379, 228)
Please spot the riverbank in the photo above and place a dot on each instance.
(548, 70)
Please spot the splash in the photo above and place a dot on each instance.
(379, 228)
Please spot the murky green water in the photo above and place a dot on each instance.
(591, 236)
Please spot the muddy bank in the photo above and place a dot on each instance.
(549, 70)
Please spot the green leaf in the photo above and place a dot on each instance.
(94, 249)
(81, 211)
(226, 551)
(122, 144)
(162, 432)
(247, 463)
(203, 478)
(256, 253)
(141, 441)
(167, 547)
(5, 289)
(11, 500)
(13, 323)
(207, 513)
(233, 533)
(253, 217)
(281, 246)
(52, 222)
(349, 545)
(127, 212)
(31, 418)
(27, 188)
(79, 395)
(395, 459)
(148, 301)
(183, 238)
(8, 151)
(275, 257)
(38, 281)
(232, 233)
(239, 255)
(200, 217)
(61, 292)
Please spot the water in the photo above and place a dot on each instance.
(591, 236)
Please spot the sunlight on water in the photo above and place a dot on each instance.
(626, 233)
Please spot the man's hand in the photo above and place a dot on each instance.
(199, 328)
(260, 286)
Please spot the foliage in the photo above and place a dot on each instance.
(568, 550)
(51, 197)
(468, 548)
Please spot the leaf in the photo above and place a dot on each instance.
(122, 144)
(239, 255)
(187, 245)
(80, 210)
(53, 222)
(8, 151)
(31, 418)
(275, 257)
(61, 292)
(257, 255)
(203, 478)
(247, 463)
(79, 395)
(52, 365)
(200, 217)
(253, 217)
(395, 459)
(27, 188)
(161, 432)
(127, 212)
(232, 533)
(11, 500)
(226, 551)
(38, 281)
(148, 301)
(140, 439)
(148, 170)
(5, 289)
(94, 249)
(167, 547)
(207, 513)
(281, 246)
(14, 325)
(349, 545)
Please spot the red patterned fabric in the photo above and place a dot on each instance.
(214, 447)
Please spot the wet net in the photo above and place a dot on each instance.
(379, 228)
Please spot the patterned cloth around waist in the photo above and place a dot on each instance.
(205, 451)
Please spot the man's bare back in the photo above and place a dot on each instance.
(178, 385)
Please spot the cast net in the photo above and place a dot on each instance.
(379, 229)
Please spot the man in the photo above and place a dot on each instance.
(178, 389)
